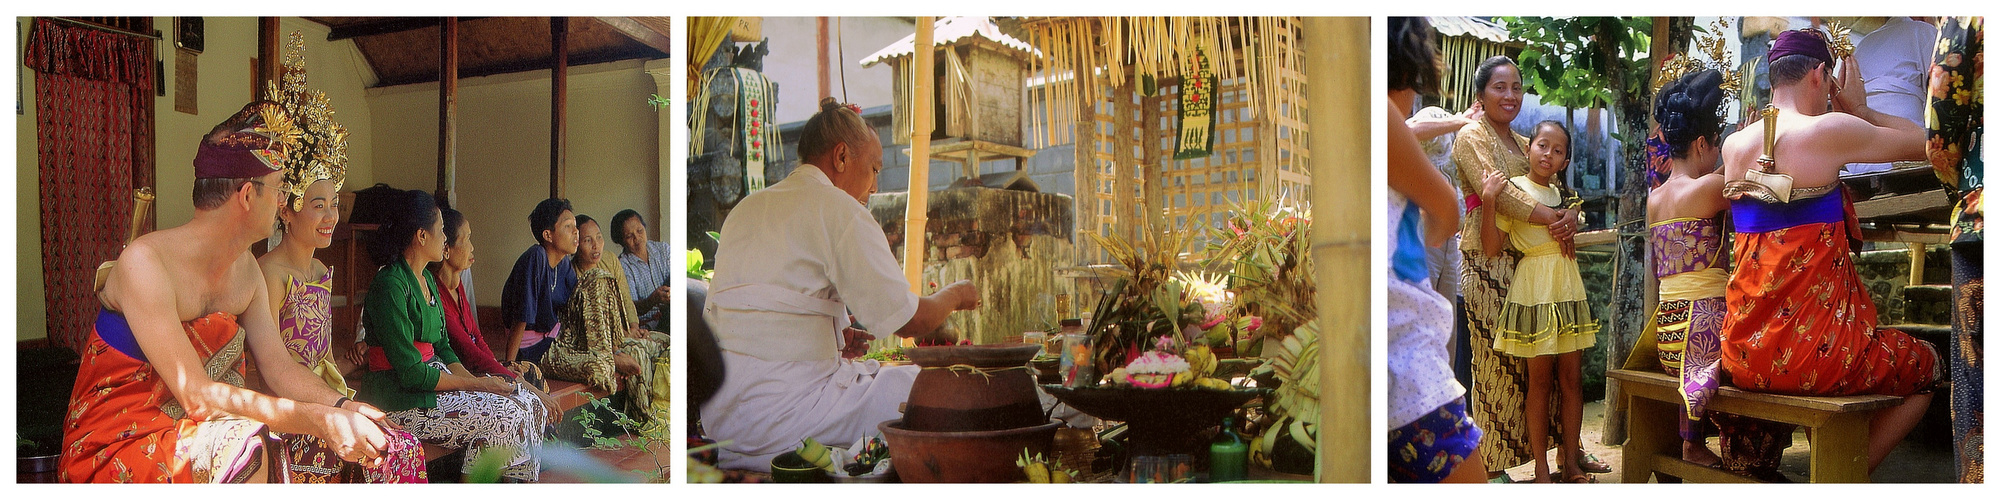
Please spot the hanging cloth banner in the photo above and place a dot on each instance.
(1196, 130)
(753, 119)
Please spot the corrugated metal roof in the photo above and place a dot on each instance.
(948, 30)
(1469, 26)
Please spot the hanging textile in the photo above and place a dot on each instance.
(758, 136)
(94, 145)
(1196, 128)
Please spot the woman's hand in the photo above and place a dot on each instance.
(548, 406)
(1473, 114)
(626, 365)
(495, 385)
(1564, 230)
(1489, 190)
(355, 436)
(357, 353)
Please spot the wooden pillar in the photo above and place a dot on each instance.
(447, 169)
(269, 54)
(825, 55)
(914, 216)
(1084, 146)
(1152, 161)
(1338, 76)
(558, 103)
(1916, 264)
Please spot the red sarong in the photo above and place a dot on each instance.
(118, 431)
(1801, 322)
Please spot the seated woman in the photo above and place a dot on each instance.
(425, 389)
(648, 266)
(461, 319)
(301, 290)
(604, 346)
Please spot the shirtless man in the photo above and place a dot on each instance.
(1799, 320)
(170, 286)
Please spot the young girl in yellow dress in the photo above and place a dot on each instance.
(1546, 318)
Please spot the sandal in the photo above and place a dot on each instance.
(1591, 464)
(1579, 478)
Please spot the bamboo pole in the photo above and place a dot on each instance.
(1340, 240)
(825, 57)
(914, 217)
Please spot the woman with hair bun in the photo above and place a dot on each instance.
(412, 371)
(1683, 216)
(794, 259)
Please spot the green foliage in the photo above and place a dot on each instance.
(695, 268)
(642, 435)
(1582, 62)
(1268, 251)
(658, 103)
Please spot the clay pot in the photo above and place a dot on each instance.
(964, 457)
(973, 388)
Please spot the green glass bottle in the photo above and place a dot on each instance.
(1228, 455)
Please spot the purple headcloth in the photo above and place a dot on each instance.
(1805, 42)
(245, 146)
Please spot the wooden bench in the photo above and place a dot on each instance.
(1837, 426)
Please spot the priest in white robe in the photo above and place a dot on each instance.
(795, 259)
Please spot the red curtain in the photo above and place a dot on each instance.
(94, 131)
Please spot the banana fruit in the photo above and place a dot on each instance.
(1213, 384)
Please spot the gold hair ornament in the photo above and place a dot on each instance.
(1711, 44)
(322, 152)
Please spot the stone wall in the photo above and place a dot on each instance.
(1009, 243)
(1886, 272)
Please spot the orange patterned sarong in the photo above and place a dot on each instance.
(124, 426)
(1801, 322)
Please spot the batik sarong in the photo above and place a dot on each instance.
(1801, 322)
(125, 426)
(483, 423)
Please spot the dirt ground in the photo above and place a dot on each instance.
(1915, 461)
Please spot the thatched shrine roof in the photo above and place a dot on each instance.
(947, 31)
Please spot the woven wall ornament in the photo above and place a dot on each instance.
(322, 153)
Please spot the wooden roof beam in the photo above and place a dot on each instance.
(651, 31)
(386, 26)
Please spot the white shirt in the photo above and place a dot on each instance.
(792, 257)
(1420, 329)
(1895, 62)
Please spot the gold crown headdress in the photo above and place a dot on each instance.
(1710, 43)
(322, 152)
(1839, 39)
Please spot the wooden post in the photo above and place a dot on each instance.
(1338, 47)
(1916, 264)
(558, 103)
(1122, 162)
(914, 216)
(825, 55)
(269, 55)
(447, 169)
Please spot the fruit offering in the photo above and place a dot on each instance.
(1039, 470)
